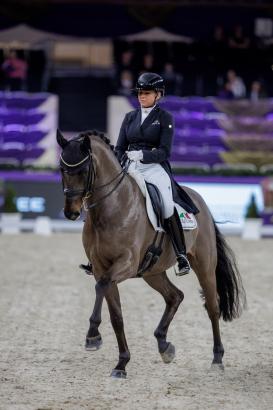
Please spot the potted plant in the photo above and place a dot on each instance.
(10, 218)
(253, 222)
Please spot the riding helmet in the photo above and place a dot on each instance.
(150, 81)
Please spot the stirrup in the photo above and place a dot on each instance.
(184, 266)
(87, 268)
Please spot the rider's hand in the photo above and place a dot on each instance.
(135, 155)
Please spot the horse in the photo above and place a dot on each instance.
(116, 235)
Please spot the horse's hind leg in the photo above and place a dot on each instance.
(212, 306)
(113, 300)
(173, 297)
(208, 284)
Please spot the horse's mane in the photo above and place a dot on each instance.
(96, 133)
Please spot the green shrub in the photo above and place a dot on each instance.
(252, 209)
(9, 200)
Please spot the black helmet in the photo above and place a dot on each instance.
(150, 81)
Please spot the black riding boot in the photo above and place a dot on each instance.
(174, 229)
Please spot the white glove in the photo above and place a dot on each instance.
(135, 155)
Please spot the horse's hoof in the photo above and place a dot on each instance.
(217, 366)
(169, 354)
(93, 343)
(118, 374)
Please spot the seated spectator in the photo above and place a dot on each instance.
(238, 39)
(226, 92)
(256, 91)
(126, 60)
(236, 83)
(219, 41)
(148, 64)
(173, 80)
(126, 83)
(15, 71)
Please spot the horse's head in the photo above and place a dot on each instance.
(76, 169)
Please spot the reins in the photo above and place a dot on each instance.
(123, 172)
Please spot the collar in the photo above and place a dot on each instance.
(147, 110)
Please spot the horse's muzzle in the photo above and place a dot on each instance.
(72, 215)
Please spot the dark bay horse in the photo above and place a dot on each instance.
(116, 235)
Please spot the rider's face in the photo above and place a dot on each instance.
(147, 98)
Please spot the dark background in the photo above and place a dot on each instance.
(83, 97)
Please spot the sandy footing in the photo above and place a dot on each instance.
(45, 304)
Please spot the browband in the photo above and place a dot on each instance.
(74, 165)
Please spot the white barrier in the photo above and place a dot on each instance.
(252, 229)
(10, 223)
(42, 226)
(46, 226)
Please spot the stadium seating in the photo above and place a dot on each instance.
(27, 128)
(217, 132)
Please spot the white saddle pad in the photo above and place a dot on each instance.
(187, 220)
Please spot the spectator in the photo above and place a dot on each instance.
(15, 71)
(237, 85)
(217, 61)
(219, 42)
(148, 64)
(126, 61)
(238, 39)
(124, 64)
(256, 91)
(173, 80)
(226, 92)
(126, 83)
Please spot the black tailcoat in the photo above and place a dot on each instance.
(154, 137)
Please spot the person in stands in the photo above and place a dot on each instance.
(236, 84)
(15, 71)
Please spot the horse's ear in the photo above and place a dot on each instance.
(85, 145)
(61, 139)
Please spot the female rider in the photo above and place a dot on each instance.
(146, 139)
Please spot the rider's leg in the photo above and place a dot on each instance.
(157, 175)
(174, 228)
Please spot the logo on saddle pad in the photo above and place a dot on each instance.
(187, 220)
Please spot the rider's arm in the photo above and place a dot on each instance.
(122, 142)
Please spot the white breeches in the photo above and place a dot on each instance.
(156, 174)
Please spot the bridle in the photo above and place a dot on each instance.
(89, 188)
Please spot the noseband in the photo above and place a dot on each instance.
(89, 190)
(75, 168)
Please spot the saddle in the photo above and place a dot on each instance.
(157, 202)
(154, 206)
(155, 249)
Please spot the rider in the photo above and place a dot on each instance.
(145, 138)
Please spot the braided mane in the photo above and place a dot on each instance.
(97, 134)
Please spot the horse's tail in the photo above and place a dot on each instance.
(229, 283)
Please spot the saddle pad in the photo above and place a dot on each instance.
(188, 221)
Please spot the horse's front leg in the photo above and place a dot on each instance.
(93, 338)
(113, 300)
